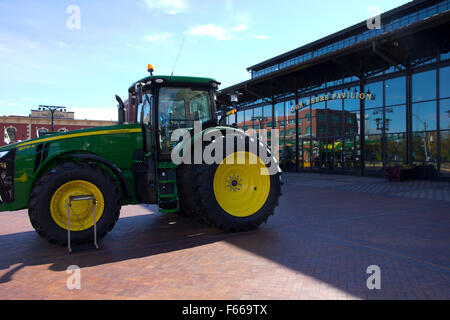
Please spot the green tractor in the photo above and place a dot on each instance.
(132, 163)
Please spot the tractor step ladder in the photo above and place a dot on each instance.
(167, 188)
(69, 205)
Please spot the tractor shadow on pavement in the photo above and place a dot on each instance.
(140, 232)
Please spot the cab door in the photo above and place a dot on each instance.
(145, 115)
(145, 168)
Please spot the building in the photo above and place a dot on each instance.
(21, 128)
(360, 99)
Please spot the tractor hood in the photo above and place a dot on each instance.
(74, 134)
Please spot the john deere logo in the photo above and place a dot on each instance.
(334, 96)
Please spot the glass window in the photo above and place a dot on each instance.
(279, 111)
(442, 7)
(374, 121)
(334, 123)
(182, 106)
(334, 104)
(424, 146)
(396, 147)
(144, 109)
(424, 86)
(308, 130)
(351, 104)
(232, 119)
(445, 149)
(424, 116)
(444, 114)
(318, 106)
(240, 118)
(445, 56)
(257, 116)
(349, 120)
(355, 125)
(373, 151)
(395, 91)
(248, 117)
(395, 119)
(444, 85)
(287, 107)
(267, 112)
(376, 91)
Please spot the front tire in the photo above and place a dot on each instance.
(47, 208)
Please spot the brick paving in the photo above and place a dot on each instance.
(325, 233)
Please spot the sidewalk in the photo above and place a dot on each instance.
(324, 235)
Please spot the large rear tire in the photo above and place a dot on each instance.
(188, 205)
(237, 197)
(47, 208)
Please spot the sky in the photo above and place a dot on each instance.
(80, 53)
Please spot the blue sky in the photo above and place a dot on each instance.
(42, 61)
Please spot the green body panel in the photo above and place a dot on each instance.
(116, 144)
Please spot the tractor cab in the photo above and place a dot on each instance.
(163, 104)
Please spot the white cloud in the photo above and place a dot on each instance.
(211, 30)
(59, 44)
(159, 36)
(224, 33)
(240, 27)
(5, 49)
(168, 6)
(95, 113)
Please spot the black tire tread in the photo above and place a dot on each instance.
(40, 187)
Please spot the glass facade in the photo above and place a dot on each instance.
(394, 24)
(331, 131)
(360, 125)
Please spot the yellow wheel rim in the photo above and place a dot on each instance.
(81, 212)
(241, 184)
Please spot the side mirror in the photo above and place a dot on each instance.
(121, 110)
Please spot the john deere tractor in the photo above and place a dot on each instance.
(132, 163)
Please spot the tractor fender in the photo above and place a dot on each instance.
(117, 172)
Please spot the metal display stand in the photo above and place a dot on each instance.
(69, 205)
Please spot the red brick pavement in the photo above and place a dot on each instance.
(317, 246)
